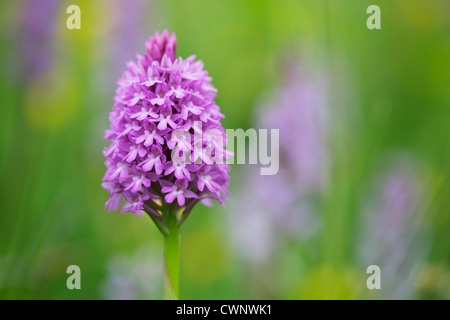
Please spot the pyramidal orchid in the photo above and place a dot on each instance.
(153, 168)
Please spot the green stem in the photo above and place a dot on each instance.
(171, 258)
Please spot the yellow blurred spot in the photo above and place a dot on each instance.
(96, 20)
(327, 282)
(423, 14)
(51, 101)
(434, 280)
(204, 256)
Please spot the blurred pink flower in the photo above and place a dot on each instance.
(273, 207)
(393, 229)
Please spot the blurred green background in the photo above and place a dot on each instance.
(388, 93)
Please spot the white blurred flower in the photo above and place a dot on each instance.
(394, 229)
(135, 276)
